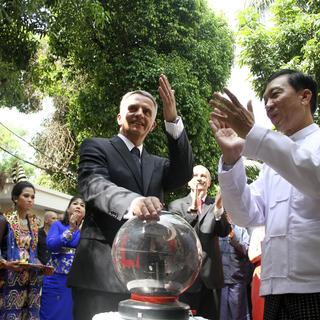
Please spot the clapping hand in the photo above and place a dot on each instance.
(196, 199)
(230, 123)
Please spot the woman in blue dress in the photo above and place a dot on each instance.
(62, 240)
(19, 284)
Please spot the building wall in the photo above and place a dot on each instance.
(45, 199)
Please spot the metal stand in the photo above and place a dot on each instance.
(136, 310)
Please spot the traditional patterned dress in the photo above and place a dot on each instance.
(19, 290)
(56, 300)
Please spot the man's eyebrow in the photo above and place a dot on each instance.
(270, 91)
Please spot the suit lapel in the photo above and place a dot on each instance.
(191, 218)
(124, 152)
(147, 169)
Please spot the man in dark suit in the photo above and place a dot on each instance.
(43, 252)
(209, 223)
(116, 185)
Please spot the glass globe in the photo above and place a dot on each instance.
(157, 258)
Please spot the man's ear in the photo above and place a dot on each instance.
(153, 126)
(119, 120)
(306, 96)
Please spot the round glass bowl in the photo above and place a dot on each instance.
(158, 258)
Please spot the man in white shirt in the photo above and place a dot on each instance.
(285, 197)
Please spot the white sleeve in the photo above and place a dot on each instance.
(174, 128)
(296, 162)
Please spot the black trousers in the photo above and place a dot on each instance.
(87, 303)
(292, 306)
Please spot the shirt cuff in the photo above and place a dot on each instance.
(174, 128)
(218, 212)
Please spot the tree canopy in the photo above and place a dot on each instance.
(289, 40)
(11, 150)
(95, 51)
(21, 24)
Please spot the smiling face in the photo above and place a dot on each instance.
(25, 200)
(137, 117)
(201, 179)
(288, 109)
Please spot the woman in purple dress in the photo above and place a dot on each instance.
(62, 240)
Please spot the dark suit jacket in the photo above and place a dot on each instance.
(208, 231)
(109, 181)
(43, 252)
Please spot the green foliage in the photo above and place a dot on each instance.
(99, 50)
(87, 54)
(21, 22)
(10, 143)
(290, 41)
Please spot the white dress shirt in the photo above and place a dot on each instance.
(174, 129)
(286, 199)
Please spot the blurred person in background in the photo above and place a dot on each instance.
(254, 254)
(3, 179)
(237, 271)
(43, 251)
(62, 240)
(210, 223)
(19, 284)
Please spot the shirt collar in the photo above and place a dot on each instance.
(301, 134)
(129, 144)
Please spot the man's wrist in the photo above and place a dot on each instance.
(130, 213)
(175, 120)
(218, 212)
(174, 129)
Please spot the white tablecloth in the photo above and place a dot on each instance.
(116, 316)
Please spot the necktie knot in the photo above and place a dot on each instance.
(135, 151)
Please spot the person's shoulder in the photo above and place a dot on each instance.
(57, 224)
(178, 201)
(95, 140)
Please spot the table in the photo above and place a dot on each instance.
(116, 316)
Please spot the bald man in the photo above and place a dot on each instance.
(209, 223)
(43, 252)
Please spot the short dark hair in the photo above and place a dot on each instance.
(299, 81)
(65, 219)
(18, 188)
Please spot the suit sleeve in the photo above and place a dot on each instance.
(222, 227)
(179, 168)
(95, 184)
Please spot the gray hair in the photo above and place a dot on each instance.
(143, 93)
